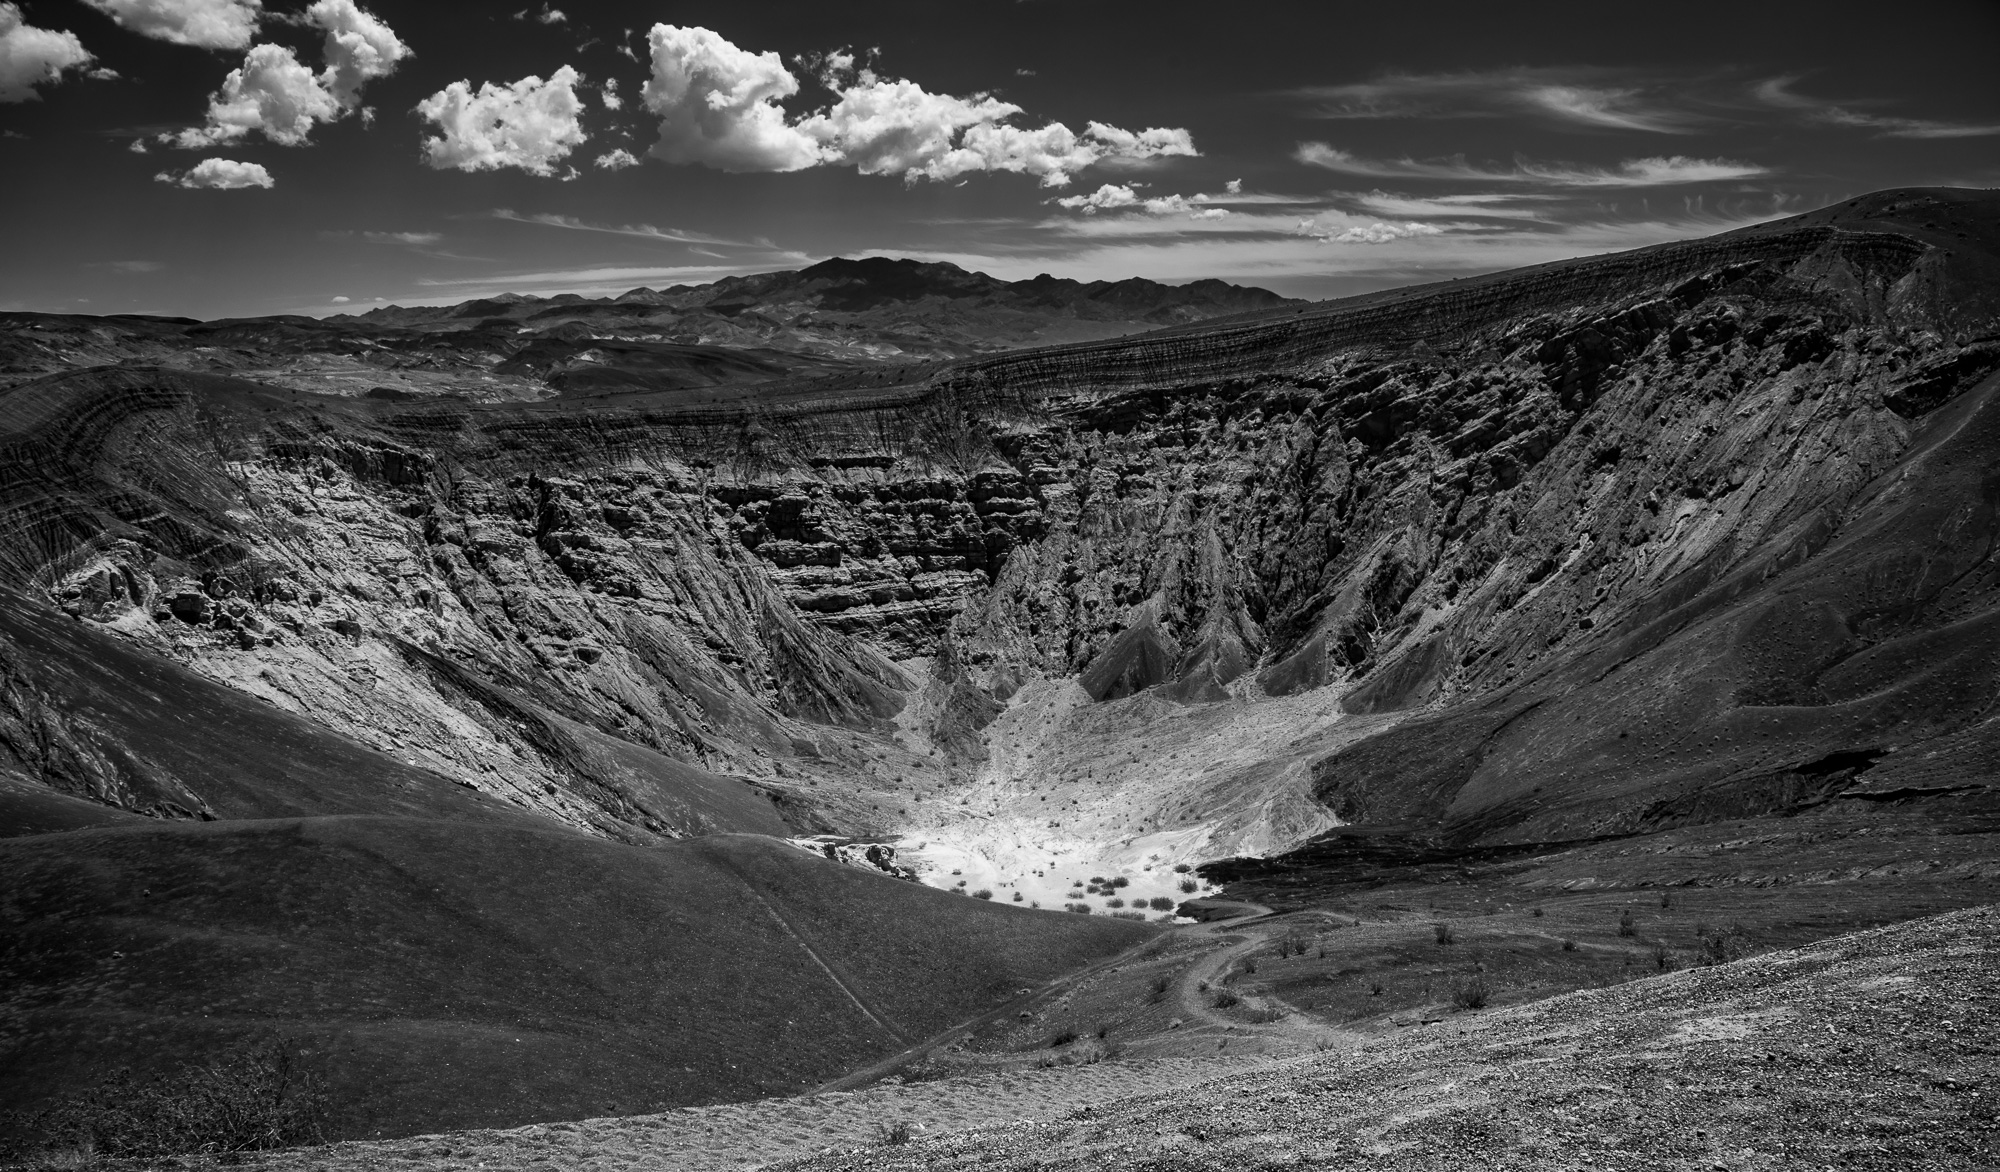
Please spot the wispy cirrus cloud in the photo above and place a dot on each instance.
(1579, 96)
(1778, 93)
(1653, 171)
(641, 231)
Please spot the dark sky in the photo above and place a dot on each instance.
(1317, 149)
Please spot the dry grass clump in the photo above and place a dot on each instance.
(256, 1097)
(1443, 932)
(1470, 993)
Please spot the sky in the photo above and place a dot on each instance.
(213, 158)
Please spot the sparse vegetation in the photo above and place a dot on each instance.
(1625, 925)
(893, 1134)
(1081, 909)
(1663, 958)
(256, 1097)
(1723, 947)
(1161, 903)
(1537, 913)
(1375, 988)
(1470, 993)
(1187, 886)
(1443, 932)
(1121, 881)
(1569, 946)
(1181, 868)
(1224, 999)
(1062, 1039)
(983, 893)
(1114, 901)
(1161, 984)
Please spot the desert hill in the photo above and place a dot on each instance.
(462, 974)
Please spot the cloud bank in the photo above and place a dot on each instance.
(31, 56)
(718, 106)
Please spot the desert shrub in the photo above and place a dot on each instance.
(1128, 915)
(893, 1134)
(1537, 913)
(1249, 966)
(1081, 909)
(1569, 946)
(1187, 886)
(1160, 986)
(1470, 993)
(1663, 959)
(255, 1097)
(1666, 900)
(1443, 932)
(1374, 988)
(1265, 1016)
(1096, 879)
(1062, 1039)
(982, 893)
(1723, 947)
(1121, 881)
(1114, 901)
(1017, 897)
(1161, 903)
(1224, 999)
(1182, 868)
(1625, 925)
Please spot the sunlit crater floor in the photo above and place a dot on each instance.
(1074, 791)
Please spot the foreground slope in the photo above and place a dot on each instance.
(1872, 1051)
(459, 974)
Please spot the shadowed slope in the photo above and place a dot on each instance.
(455, 974)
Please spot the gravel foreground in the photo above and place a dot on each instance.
(1874, 1050)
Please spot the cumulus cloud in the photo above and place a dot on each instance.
(219, 174)
(205, 24)
(609, 95)
(719, 106)
(1381, 232)
(1113, 196)
(359, 48)
(342, 300)
(276, 95)
(1654, 171)
(271, 93)
(31, 56)
(616, 159)
(531, 124)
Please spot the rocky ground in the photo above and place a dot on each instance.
(1872, 1050)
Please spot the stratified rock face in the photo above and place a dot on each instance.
(1473, 509)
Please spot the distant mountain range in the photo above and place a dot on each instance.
(873, 308)
(830, 319)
